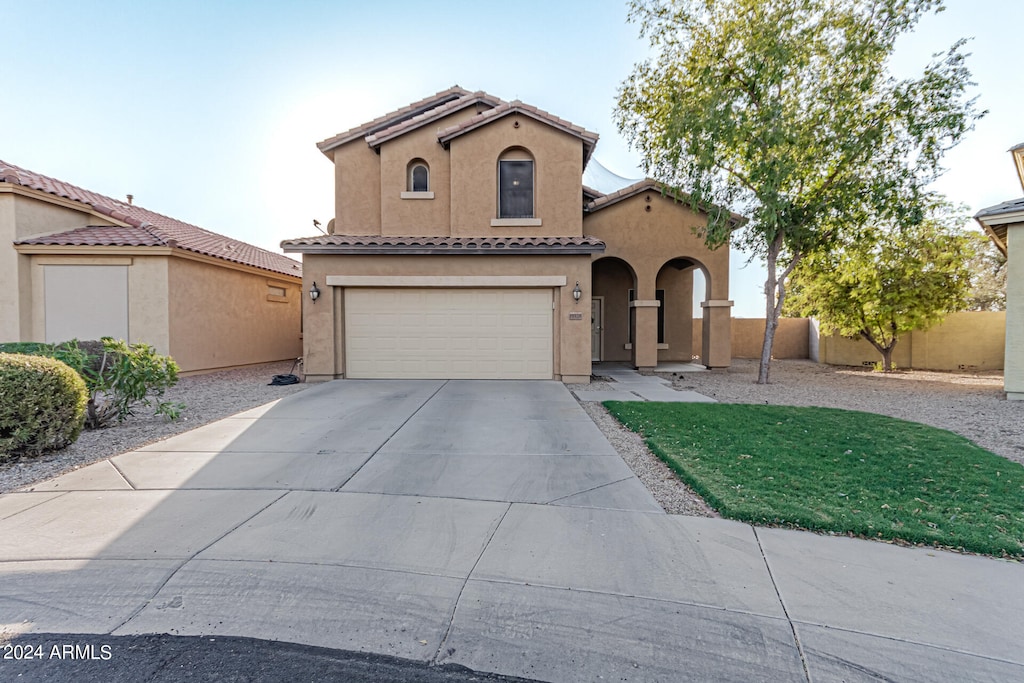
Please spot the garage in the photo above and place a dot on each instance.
(448, 333)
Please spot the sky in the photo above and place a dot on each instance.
(210, 111)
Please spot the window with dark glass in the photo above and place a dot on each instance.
(515, 188)
(419, 178)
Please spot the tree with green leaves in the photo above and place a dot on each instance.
(785, 111)
(887, 280)
(988, 276)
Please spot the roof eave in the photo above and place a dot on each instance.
(385, 250)
(375, 142)
(735, 220)
(390, 119)
(1018, 159)
(589, 139)
(995, 232)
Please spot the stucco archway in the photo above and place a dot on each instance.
(675, 286)
(612, 280)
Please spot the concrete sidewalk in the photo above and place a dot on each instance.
(488, 524)
(629, 385)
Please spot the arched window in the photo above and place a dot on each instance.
(515, 184)
(418, 176)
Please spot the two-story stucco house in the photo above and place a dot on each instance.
(465, 245)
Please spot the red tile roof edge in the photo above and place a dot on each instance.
(382, 122)
(517, 107)
(420, 120)
(442, 244)
(659, 187)
(164, 230)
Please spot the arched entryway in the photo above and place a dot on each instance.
(681, 285)
(613, 280)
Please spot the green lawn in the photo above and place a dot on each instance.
(838, 470)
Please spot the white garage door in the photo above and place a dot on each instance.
(448, 333)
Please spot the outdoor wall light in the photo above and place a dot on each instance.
(314, 292)
(577, 292)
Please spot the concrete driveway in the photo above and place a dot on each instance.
(488, 524)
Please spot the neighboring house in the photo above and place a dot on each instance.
(82, 266)
(464, 245)
(1004, 223)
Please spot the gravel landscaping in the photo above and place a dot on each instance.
(207, 398)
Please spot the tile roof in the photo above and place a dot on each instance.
(649, 184)
(400, 244)
(517, 107)
(420, 120)
(392, 118)
(590, 194)
(143, 228)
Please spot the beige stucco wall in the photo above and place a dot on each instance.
(324, 354)
(417, 216)
(647, 231)
(558, 167)
(612, 280)
(463, 179)
(1013, 372)
(973, 340)
(356, 189)
(13, 300)
(647, 240)
(147, 294)
(791, 338)
(221, 317)
(23, 215)
(967, 340)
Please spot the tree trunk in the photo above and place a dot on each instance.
(886, 351)
(771, 318)
(774, 296)
(887, 358)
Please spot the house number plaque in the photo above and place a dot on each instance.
(575, 315)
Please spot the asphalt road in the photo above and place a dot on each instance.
(163, 658)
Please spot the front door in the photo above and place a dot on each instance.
(596, 326)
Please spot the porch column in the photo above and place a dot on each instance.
(716, 341)
(645, 332)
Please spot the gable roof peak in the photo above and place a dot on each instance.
(375, 140)
(392, 118)
(588, 138)
(664, 190)
(141, 227)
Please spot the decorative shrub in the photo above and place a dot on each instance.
(118, 376)
(42, 404)
(129, 375)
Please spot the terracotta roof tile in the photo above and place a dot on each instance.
(420, 120)
(466, 245)
(590, 194)
(144, 228)
(649, 184)
(516, 107)
(390, 119)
